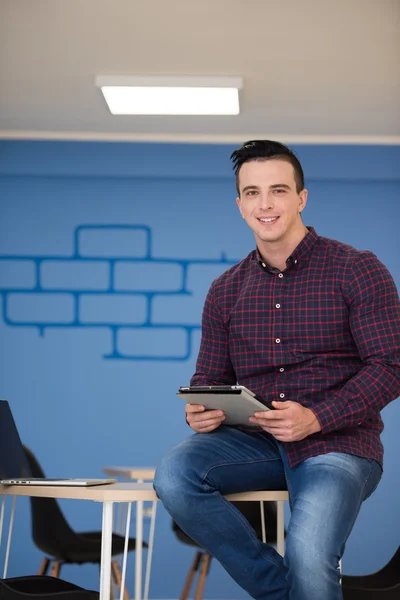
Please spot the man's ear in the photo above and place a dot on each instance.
(238, 202)
(303, 200)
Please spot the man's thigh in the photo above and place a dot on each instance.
(326, 494)
(227, 460)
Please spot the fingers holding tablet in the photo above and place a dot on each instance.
(202, 420)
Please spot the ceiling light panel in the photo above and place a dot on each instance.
(127, 95)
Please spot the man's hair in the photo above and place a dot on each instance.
(261, 150)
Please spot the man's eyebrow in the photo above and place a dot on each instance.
(250, 187)
(271, 187)
(279, 185)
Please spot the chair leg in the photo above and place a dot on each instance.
(55, 571)
(117, 576)
(44, 566)
(190, 576)
(204, 569)
(112, 586)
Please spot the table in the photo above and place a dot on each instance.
(107, 495)
(140, 475)
(119, 492)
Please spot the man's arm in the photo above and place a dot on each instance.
(374, 320)
(375, 326)
(213, 365)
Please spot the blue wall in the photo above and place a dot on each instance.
(106, 253)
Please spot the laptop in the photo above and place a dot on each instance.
(14, 465)
(62, 482)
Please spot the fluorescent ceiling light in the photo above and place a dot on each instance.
(127, 95)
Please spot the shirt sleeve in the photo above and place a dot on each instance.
(374, 319)
(213, 365)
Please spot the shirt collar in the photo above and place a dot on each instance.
(300, 254)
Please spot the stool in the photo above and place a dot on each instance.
(280, 497)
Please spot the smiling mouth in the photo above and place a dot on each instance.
(268, 220)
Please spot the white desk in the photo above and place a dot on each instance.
(107, 494)
(140, 475)
(121, 492)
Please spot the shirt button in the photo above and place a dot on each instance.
(280, 275)
(264, 265)
(277, 341)
(277, 305)
(281, 369)
(281, 395)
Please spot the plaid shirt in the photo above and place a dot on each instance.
(325, 332)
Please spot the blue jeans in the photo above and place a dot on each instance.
(326, 493)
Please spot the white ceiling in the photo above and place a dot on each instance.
(313, 69)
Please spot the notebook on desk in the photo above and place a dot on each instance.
(14, 466)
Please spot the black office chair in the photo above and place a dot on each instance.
(382, 585)
(53, 536)
(202, 561)
(41, 587)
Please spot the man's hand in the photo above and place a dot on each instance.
(290, 422)
(201, 420)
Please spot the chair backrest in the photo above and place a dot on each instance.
(13, 461)
(381, 585)
(50, 530)
(252, 511)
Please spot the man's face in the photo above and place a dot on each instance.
(269, 202)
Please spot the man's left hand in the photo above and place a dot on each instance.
(290, 422)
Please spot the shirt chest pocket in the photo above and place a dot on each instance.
(251, 324)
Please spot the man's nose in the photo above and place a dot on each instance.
(266, 201)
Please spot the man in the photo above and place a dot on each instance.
(312, 325)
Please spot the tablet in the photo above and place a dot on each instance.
(236, 401)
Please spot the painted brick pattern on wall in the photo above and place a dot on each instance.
(151, 305)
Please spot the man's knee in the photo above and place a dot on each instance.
(174, 476)
(309, 561)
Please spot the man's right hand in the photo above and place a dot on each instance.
(201, 420)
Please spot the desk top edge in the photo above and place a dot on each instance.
(114, 492)
(120, 492)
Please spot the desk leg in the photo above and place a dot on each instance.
(139, 549)
(150, 551)
(106, 541)
(9, 537)
(281, 528)
(127, 528)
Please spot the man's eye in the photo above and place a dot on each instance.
(252, 192)
(279, 191)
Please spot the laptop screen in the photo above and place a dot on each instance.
(13, 462)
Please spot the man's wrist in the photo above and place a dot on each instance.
(315, 427)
